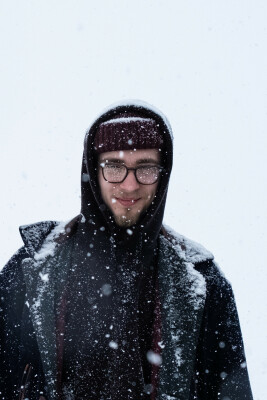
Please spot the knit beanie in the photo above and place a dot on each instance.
(128, 131)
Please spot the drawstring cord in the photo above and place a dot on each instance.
(24, 381)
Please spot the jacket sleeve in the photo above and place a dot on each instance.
(221, 371)
(12, 293)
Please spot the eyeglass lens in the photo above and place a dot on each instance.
(117, 173)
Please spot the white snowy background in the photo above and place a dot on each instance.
(203, 63)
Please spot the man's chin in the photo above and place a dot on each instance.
(125, 221)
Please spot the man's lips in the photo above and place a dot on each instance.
(127, 202)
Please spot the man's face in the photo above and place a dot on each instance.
(129, 199)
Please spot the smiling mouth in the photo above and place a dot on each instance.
(127, 202)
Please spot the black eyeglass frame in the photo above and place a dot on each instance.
(160, 169)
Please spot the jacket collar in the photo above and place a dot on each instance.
(34, 235)
(39, 275)
(186, 249)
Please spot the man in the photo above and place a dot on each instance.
(112, 305)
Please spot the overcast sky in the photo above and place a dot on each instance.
(203, 63)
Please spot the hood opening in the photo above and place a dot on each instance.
(93, 209)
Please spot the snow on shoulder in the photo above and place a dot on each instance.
(187, 249)
(50, 244)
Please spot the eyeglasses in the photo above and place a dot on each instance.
(116, 173)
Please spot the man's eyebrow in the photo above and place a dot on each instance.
(147, 161)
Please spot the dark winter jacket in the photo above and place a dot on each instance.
(146, 315)
(201, 344)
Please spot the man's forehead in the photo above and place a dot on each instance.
(135, 155)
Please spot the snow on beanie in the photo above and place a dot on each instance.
(128, 131)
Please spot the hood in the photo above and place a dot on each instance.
(93, 209)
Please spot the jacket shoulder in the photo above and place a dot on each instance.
(32, 235)
(187, 249)
(12, 285)
(35, 235)
(13, 267)
(202, 260)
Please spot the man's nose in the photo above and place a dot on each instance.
(130, 183)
